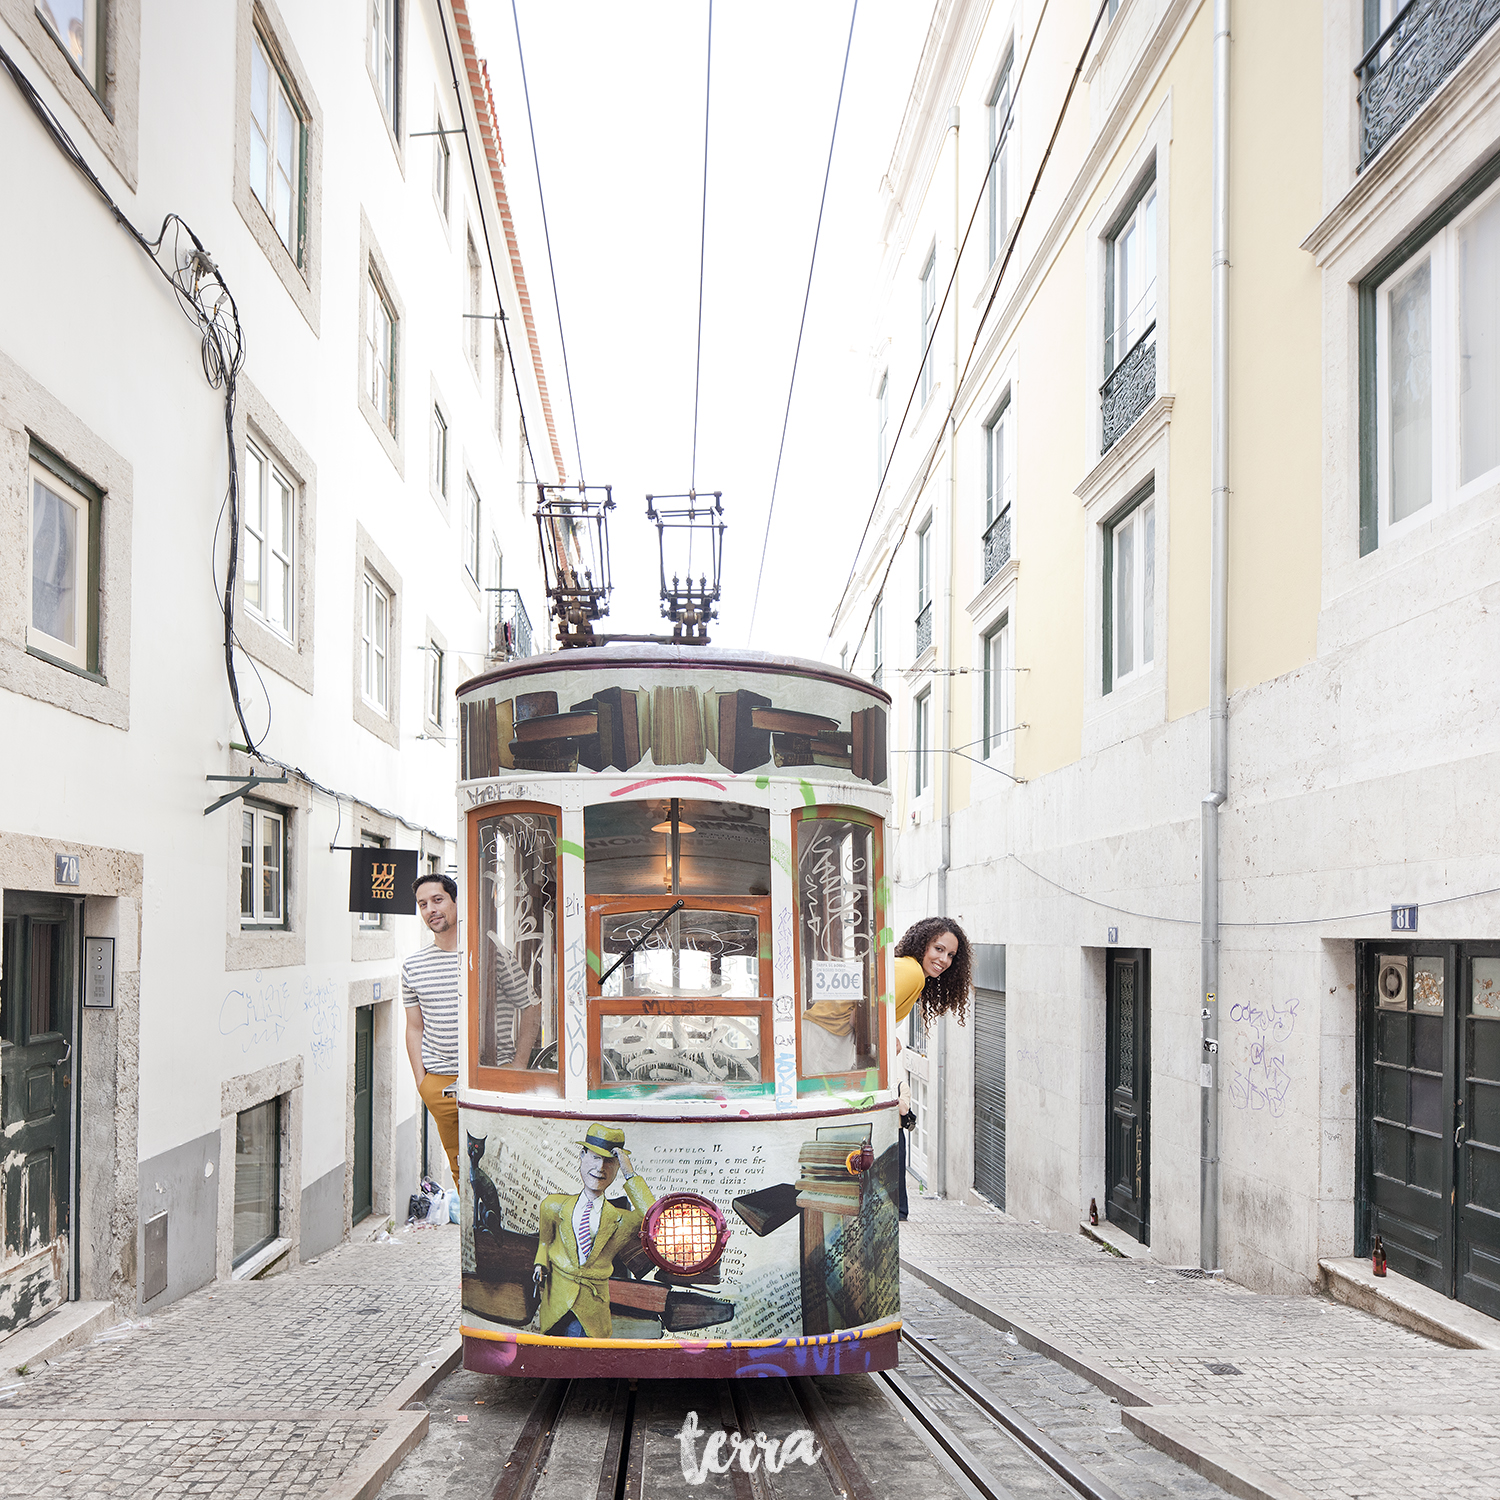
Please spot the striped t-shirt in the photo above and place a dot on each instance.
(430, 979)
(512, 996)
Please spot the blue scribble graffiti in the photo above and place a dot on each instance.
(1262, 1083)
(257, 1014)
(321, 1004)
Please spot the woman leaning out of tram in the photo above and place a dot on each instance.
(933, 966)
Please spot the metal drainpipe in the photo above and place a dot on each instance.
(1218, 705)
(944, 658)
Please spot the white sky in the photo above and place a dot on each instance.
(617, 93)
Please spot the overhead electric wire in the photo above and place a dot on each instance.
(547, 235)
(801, 326)
(708, 80)
(1014, 239)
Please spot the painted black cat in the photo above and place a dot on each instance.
(489, 1217)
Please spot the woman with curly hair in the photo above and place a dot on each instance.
(933, 964)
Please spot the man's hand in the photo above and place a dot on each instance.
(623, 1157)
(536, 1277)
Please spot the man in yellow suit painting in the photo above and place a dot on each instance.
(579, 1235)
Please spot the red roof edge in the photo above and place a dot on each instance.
(484, 109)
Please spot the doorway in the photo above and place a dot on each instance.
(989, 1095)
(38, 1022)
(1429, 1137)
(1127, 1088)
(364, 1111)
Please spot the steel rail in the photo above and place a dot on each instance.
(1027, 1434)
(529, 1455)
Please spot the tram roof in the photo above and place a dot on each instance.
(639, 655)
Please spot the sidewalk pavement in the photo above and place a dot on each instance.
(291, 1386)
(1274, 1398)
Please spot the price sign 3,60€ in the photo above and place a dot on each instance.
(838, 979)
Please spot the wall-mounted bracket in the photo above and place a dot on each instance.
(246, 784)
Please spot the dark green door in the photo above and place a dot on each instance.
(1477, 1232)
(38, 987)
(1127, 1080)
(1430, 1148)
(989, 1095)
(364, 1109)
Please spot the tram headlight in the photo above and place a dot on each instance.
(684, 1233)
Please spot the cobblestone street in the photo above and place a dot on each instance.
(1283, 1397)
(290, 1386)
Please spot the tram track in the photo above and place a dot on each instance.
(617, 1440)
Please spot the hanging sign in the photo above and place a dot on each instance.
(380, 880)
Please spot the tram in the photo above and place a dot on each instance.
(678, 1131)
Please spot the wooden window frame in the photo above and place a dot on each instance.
(87, 502)
(257, 921)
(880, 918)
(510, 1080)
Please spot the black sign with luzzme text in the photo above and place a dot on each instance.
(380, 880)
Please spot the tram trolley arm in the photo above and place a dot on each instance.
(671, 911)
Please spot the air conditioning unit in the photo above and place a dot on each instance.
(1391, 982)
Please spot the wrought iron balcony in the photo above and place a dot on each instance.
(1410, 60)
(1130, 389)
(924, 627)
(510, 635)
(997, 544)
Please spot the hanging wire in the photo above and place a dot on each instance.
(547, 235)
(806, 297)
(708, 72)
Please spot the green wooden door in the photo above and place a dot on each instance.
(364, 1109)
(1127, 1140)
(38, 997)
(1477, 1132)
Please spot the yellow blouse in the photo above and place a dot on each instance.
(910, 981)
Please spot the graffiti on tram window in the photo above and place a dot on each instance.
(700, 1049)
(659, 1231)
(1258, 1076)
(518, 956)
(580, 719)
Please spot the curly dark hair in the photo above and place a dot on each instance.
(950, 991)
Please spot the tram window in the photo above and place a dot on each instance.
(836, 878)
(723, 848)
(518, 942)
(695, 952)
(663, 1050)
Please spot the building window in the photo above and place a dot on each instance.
(929, 320)
(1130, 315)
(384, 60)
(1437, 367)
(999, 487)
(471, 529)
(442, 167)
(257, 1179)
(372, 921)
(921, 742)
(78, 26)
(277, 138)
(262, 866)
(471, 323)
(877, 640)
(924, 587)
(882, 419)
(999, 185)
(1130, 593)
(380, 353)
(997, 684)
(439, 452)
(63, 542)
(270, 530)
(435, 684)
(375, 644)
(499, 382)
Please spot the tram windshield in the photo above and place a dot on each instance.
(518, 951)
(836, 873)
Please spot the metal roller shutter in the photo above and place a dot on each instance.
(989, 1095)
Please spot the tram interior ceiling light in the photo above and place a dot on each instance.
(697, 526)
(574, 526)
(684, 1234)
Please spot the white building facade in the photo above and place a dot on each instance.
(204, 1071)
(1036, 593)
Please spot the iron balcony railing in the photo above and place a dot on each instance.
(510, 634)
(924, 627)
(997, 544)
(1130, 389)
(1410, 60)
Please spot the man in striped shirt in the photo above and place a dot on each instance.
(429, 990)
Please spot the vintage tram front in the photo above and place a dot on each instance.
(677, 1137)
